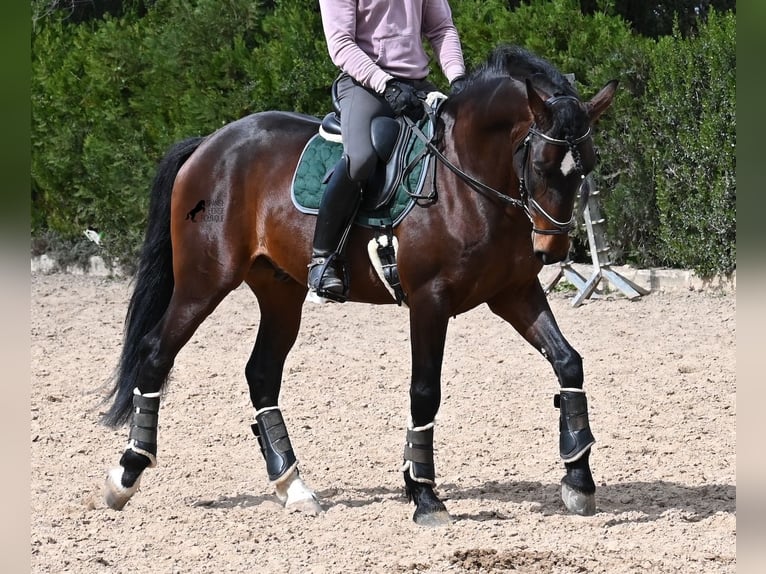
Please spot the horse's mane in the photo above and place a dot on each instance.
(518, 63)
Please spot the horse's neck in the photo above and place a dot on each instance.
(483, 135)
(487, 156)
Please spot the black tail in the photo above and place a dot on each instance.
(153, 281)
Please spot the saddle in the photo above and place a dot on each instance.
(387, 197)
(395, 184)
(388, 137)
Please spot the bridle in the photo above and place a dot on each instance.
(526, 202)
(561, 227)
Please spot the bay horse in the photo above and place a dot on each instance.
(512, 149)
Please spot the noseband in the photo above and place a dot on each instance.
(526, 203)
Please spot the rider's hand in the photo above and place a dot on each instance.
(403, 100)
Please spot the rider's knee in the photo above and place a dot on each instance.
(361, 166)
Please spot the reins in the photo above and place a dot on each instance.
(467, 178)
(526, 203)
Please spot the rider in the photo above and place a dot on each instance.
(377, 44)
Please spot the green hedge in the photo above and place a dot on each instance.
(695, 155)
(109, 95)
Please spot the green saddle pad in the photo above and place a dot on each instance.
(320, 155)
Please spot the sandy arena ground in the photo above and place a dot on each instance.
(660, 376)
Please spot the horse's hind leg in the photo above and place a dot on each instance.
(280, 300)
(158, 350)
(531, 316)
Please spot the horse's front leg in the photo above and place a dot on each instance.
(428, 329)
(531, 316)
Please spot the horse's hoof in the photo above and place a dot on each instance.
(308, 506)
(116, 496)
(429, 510)
(433, 519)
(578, 502)
(296, 496)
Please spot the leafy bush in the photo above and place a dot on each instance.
(691, 100)
(111, 95)
(114, 89)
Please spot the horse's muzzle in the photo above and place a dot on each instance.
(550, 248)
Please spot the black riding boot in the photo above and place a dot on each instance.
(336, 213)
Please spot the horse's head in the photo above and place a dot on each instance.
(552, 162)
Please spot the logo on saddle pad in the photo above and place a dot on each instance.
(391, 191)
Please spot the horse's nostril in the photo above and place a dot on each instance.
(542, 256)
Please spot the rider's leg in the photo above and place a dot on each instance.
(336, 211)
(358, 106)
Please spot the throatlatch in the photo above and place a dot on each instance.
(271, 432)
(575, 437)
(419, 454)
(143, 430)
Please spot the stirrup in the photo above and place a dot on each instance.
(326, 283)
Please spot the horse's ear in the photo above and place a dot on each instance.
(540, 111)
(601, 101)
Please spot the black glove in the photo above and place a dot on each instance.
(457, 85)
(404, 100)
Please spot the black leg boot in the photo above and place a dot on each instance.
(336, 213)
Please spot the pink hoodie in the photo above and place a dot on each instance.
(375, 40)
